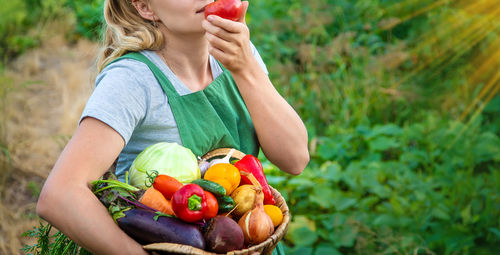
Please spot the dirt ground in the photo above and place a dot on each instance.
(50, 86)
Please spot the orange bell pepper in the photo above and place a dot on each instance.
(224, 174)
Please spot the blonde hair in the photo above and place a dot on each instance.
(125, 31)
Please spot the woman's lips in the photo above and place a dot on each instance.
(201, 10)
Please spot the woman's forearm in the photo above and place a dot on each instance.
(79, 215)
(66, 200)
(281, 132)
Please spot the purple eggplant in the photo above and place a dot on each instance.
(142, 227)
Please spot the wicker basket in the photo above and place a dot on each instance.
(265, 247)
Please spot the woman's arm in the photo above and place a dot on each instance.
(281, 132)
(66, 200)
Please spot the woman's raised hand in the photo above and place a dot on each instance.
(229, 41)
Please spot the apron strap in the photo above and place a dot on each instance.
(165, 84)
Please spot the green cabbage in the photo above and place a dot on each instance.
(167, 158)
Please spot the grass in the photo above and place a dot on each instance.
(5, 158)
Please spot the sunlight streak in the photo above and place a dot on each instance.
(459, 38)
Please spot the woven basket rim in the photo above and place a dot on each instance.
(264, 247)
(223, 152)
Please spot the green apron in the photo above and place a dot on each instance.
(208, 119)
(215, 117)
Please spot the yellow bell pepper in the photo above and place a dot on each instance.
(224, 174)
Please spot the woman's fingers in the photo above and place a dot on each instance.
(228, 40)
(220, 38)
(225, 24)
(226, 53)
(218, 31)
(217, 54)
(219, 43)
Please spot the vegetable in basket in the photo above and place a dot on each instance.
(257, 226)
(274, 213)
(212, 206)
(226, 204)
(224, 174)
(146, 227)
(251, 164)
(214, 194)
(222, 234)
(170, 159)
(142, 223)
(189, 203)
(210, 186)
(167, 185)
(154, 199)
(244, 197)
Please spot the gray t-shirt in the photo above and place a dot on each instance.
(129, 99)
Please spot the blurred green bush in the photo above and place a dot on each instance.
(421, 188)
(23, 24)
(89, 18)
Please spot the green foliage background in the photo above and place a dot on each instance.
(390, 173)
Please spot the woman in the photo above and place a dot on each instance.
(171, 88)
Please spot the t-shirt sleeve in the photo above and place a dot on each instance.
(259, 58)
(119, 99)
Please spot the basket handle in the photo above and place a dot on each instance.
(223, 152)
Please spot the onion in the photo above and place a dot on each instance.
(203, 165)
(244, 197)
(257, 226)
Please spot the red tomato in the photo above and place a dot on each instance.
(167, 185)
(227, 9)
(212, 206)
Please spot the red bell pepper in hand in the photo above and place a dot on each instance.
(189, 203)
(251, 164)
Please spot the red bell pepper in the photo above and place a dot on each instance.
(189, 203)
(251, 164)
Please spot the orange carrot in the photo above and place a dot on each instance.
(154, 199)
